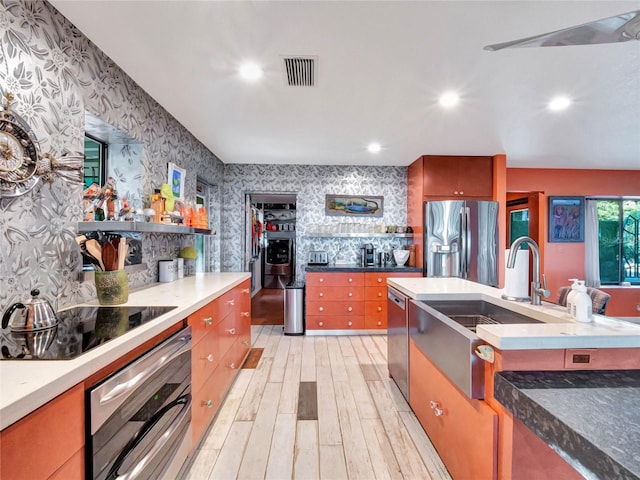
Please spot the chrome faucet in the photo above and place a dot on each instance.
(538, 290)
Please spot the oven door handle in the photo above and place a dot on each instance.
(139, 467)
(147, 367)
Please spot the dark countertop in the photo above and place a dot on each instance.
(590, 418)
(354, 267)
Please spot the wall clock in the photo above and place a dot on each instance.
(21, 165)
(19, 153)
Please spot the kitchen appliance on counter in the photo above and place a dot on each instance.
(461, 240)
(36, 314)
(79, 329)
(318, 257)
(398, 339)
(370, 254)
(139, 419)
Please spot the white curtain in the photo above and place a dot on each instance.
(591, 251)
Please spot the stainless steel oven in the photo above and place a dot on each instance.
(138, 419)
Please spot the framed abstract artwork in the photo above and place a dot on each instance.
(566, 219)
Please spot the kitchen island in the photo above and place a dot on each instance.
(459, 425)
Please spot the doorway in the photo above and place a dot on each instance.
(270, 252)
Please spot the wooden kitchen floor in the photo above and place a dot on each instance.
(267, 307)
(364, 427)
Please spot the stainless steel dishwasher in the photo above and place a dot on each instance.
(398, 340)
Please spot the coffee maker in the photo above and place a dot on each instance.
(369, 255)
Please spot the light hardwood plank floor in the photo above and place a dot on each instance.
(364, 430)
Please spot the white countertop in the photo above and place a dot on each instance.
(27, 385)
(559, 329)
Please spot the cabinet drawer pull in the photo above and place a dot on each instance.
(321, 324)
(208, 358)
(208, 404)
(244, 314)
(231, 331)
(231, 302)
(379, 280)
(208, 321)
(232, 366)
(321, 280)
(321, 309)
(321, 294)
(350, 280)
(379, 294)
(455, 193)
(349, 324)
(246, 342)
(437, 411)
(379, 309)
(379, 323)
(350, 309)
(350, 294)
(461, 192)
(245, 290)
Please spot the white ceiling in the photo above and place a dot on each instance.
(381, 67)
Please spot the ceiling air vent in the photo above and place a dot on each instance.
(300, 71)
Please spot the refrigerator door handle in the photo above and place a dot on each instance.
(468, 241)
(463, 244)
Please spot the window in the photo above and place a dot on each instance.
(518, 225)
(95, 156)
(619, 241)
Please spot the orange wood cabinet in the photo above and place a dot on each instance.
(221, 341)
(375, 297)
(348, 301)
(47, 442)
(463, 431)
(458, 177)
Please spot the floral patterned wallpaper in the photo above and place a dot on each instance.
(57, 74)
(311, 183)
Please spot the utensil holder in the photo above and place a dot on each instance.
(112, 287)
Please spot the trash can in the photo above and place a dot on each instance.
(294, 308)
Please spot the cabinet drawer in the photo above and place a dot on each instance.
(320, 322)
(206, 401)
(203, 321)
(335, 308)
(375, 308)
(227, 332)
(372, 279)
(315, 279)
(335, 293)
(205, 357)
(228, 302)
(464, 431)
(375, 322)
(373, 294)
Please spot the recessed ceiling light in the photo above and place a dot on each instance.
(559, 103)
(374, 147)
(250, 71)
(449, 99)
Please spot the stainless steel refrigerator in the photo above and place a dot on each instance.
(461, 240)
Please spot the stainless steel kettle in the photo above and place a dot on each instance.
(37, 314)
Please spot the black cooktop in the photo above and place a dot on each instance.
(80, 329)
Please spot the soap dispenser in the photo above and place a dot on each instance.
(582, 304)
(571, 296)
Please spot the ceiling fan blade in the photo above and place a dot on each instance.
(619, 28)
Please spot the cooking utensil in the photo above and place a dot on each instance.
(109, 257)
(37, 314)
(94, 250)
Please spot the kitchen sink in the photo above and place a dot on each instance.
(435, 326)
(470, 313)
